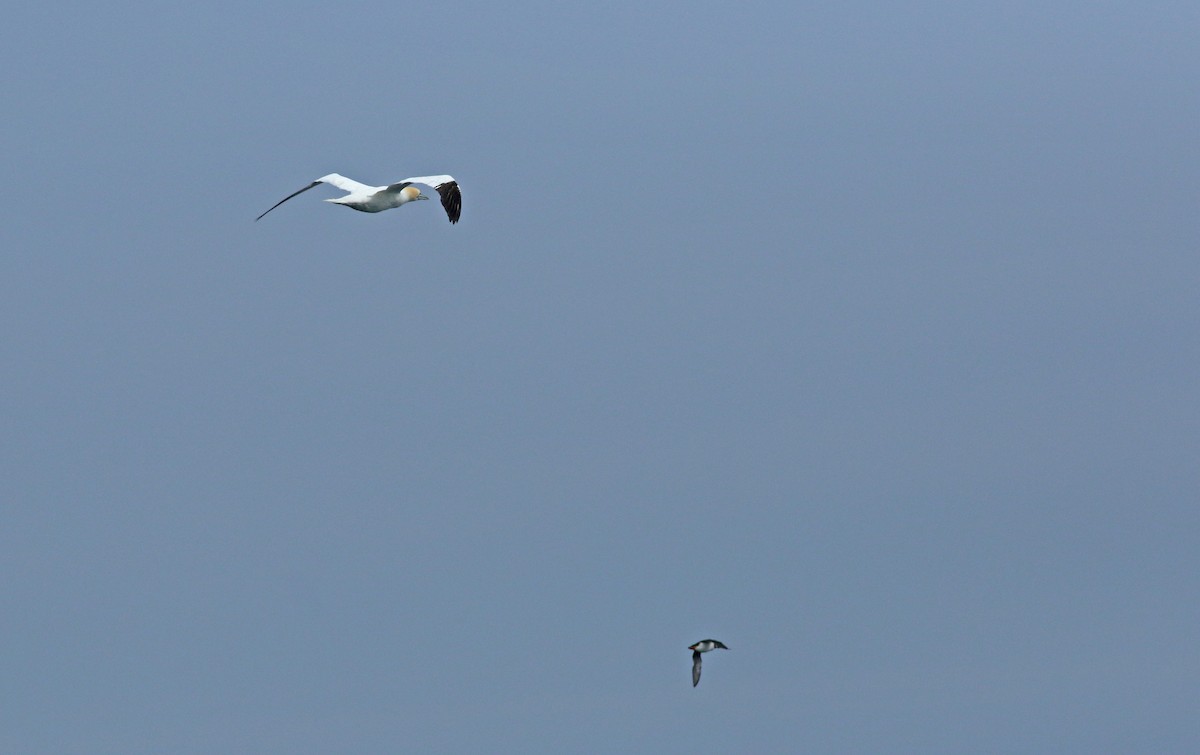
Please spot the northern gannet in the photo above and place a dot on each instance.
(379, 198)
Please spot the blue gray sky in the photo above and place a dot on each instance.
(859, 336)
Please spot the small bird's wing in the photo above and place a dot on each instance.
(343, 183)
(447, 189)
(696, 661)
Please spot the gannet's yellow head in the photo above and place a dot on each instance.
(412, 193)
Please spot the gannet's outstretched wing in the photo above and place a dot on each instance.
(333, 179)
(447, 189)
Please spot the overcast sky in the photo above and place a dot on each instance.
(860, 336)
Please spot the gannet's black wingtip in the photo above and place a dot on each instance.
(451, 199)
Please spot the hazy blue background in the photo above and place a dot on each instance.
(860, 336)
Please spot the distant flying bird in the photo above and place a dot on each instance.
(379, 198)
(703, 646)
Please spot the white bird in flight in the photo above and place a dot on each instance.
(379, 198)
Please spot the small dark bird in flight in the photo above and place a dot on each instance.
(703, 646)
